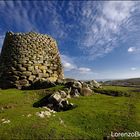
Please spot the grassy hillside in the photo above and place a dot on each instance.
(125, 82)
(94, 118)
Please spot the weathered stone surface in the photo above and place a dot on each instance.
(76, 88)
(13, 78)
(27, 73)
(77, 85)
(42, 67)
(59, 102)
(86, 91)
(63, 94)
(31, 68)
(22, 69)
(74, 92)
(52, 79)
(29, 56)
(94, 84)
(55, 98)
(31, 78)
(23, 82)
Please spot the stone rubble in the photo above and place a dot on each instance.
(46, 113)
(77, 88)
(5, 121)
(58, 100)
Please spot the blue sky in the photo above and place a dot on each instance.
(96, 39)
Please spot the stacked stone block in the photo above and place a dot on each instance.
(28, 57)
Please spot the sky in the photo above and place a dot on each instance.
(96, 39)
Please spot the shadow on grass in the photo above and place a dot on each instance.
(116, 93)
(43, 102)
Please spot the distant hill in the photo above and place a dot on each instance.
(124, 82)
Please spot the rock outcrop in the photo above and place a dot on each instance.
(94, 84)
(58, 100)
(27, 58)
(77, 88)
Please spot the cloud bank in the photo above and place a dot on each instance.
(111, 22)
(94, 27)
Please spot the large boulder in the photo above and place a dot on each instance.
(59, 102)
(74, 92)
(78, 88)
(94, 84)
(77, 85)
(55, 98)
(73, 84)
(85, 90)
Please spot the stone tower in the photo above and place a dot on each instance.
(28, 57)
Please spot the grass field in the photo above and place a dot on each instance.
(94, 118)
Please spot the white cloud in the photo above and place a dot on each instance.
(84, 70)
(104, 28)
(133, 50)
(117, 11)
(69, 65)
(133, 68)
(73, 70)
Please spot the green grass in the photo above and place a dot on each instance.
(115, 90)
(94, 118)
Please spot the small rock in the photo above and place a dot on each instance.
(63, 94)
(47, 113)
(61, 121)
(7, 121)
(40, 115)
(75, 93)
(45, 107)
(68, 96)
(2, 108)
(2, 120)
(29, 115)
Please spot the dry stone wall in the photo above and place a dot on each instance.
(28, 57)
